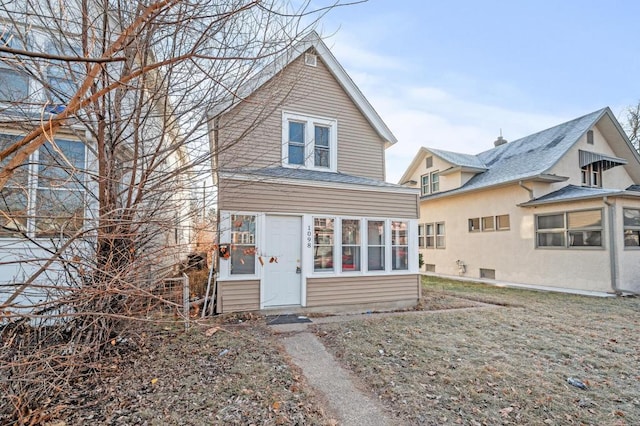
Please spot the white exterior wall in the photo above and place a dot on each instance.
(512, 253)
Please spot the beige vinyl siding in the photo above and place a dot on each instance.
(251, 134)
(359, 290)
(279, 198)
(236, 296)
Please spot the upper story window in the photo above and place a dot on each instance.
(429, 162)
(430, 183)
(435, 182)
(14, 81)
(424, 184)
(592, 175)
(62, 76)
(309, 142)
(45, 197)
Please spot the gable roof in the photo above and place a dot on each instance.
(313, 40)
(533, 156)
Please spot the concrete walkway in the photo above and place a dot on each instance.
(345, 401)
(348, 404)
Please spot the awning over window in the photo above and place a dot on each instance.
(607, 162)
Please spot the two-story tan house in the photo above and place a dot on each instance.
(559, 209)
(306, 217)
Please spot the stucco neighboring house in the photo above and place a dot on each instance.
(306, 217)
(559, 209)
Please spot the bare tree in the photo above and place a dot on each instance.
(103, 150)
(632, 125)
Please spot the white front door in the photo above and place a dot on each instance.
(282, 277)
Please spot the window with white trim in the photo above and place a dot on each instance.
(309, 142)
(424, 184)
(399, 246)
(62, 76)
(631, 227)
(243, 244)
(323, 244)
(375, 245)
(45, 197)
(421, 235)
(435, 182)
(429, 231)
(14, 81)
(440, 235)
(581, 228)
(350, 245)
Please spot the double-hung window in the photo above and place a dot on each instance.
(631, 227)
(323, 244)
(243, 244)
(376, 245)
(350, 245)
(424, 184)
(440, 235)
(309, 142)
(429, 235)
(421, 235)
(45, 197)
(14, 81)
(435, 182)
(399, 246)
(62, 76)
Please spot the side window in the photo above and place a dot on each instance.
(296, 142)
(435, 182)
(440, 235)
(429, 235)
(323, 244)
(550, 230)
(243, 244)
(399, 246)
(350, 245)
(14, 81)
(631, 227)
(424, 184)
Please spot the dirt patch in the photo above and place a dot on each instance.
(502, 366)
(208, 375)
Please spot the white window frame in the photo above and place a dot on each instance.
(310, 123)
(440, 235)
(34, 188)
(435, 186)
(425, 184)
(10, 66)
(225, 238)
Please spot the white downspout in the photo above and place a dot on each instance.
(613, 254)
(527, 188)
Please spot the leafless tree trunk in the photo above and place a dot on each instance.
(632, 125)
(111, 124)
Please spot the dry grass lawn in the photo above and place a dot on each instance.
(507, 365)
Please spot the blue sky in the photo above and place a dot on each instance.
(452, 74)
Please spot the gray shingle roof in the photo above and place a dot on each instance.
(527, 157)
(572, 192)
(310, 175)
(457, 159)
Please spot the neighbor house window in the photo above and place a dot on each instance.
(399, 246)
(474, 224)
(503, 222)
(488, 223)
(424, 184)
(375, 245)
(429, 231)
(51, 201)
(429, 162)
(421, 235)
(570, 229)
(440, 235)
(309, 142)
(350, 245)
(323, 244)
(63, 75)
(243, 244)
(435, 182)
(14, 81)
(592, 175)
(631, 227)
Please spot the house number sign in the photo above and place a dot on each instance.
(309, 237)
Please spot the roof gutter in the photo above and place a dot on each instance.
(527, 188)
(613, 253)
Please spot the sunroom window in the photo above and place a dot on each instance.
(376, 243)
(399, 246)
(571, 229)
(631, 227)
(323, 245)
(350, 245)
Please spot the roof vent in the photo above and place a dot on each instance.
(500, 140)
(310, 59)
